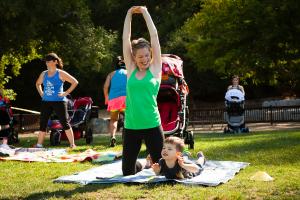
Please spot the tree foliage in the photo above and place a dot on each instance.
(259, 40)
(31, 28)
(256, 39)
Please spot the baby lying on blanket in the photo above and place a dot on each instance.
(175, 165)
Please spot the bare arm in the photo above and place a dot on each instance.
(64, 76)
(156, 51)
(39, 82)
(107, 85)
(127, 50)
(242, 89)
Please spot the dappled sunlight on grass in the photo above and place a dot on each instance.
(276, 153)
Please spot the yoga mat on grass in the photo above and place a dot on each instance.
(213, 174)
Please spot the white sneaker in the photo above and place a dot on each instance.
(5, 150)
(201, 160)
(5, 146)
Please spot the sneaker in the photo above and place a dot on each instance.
(201, 155)
(37, 146)
(4, 151)
(187, 154)
(5, 146)
(113, 142)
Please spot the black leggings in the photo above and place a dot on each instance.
(60, 109)
(132, 142)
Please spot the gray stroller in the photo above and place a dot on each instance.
(235, 112)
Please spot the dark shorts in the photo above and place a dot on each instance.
(60, 109)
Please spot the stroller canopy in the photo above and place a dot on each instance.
(234, 95)
(172, 64)
(172, 72)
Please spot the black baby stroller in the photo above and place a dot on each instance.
(79, 115)
(235, 112)
(7, 120)
(172, 100)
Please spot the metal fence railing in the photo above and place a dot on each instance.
(30, 122)
(26, 122)
(252, 115)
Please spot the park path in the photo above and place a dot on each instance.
(220, 127)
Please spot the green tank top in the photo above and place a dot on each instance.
(141, 106)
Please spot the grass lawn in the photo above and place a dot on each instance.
(276, 152)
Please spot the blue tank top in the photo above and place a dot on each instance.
(53, 85)
(118, 84)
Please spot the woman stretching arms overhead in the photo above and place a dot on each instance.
(142, 121)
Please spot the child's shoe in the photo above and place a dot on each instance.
(5, 146)
(201, 160)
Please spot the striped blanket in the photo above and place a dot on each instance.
(56, 155)
(213, 174)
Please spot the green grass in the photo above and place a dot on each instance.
(277, 153)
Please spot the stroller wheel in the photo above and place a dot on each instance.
(54, 138)
(226, 130)
(246, 130)
(89, 136)
(191, 146)
(190, 139)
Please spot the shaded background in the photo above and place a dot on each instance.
(257, 40)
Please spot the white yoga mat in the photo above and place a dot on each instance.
(213, 174)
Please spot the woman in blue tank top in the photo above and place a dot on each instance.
(53, 96)
(114, 90)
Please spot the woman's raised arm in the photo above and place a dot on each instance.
(156, 51)
(127, 50)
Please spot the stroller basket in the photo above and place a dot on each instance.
(168, 107)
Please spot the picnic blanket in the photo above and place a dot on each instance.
(57, 155)
(213, 174)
